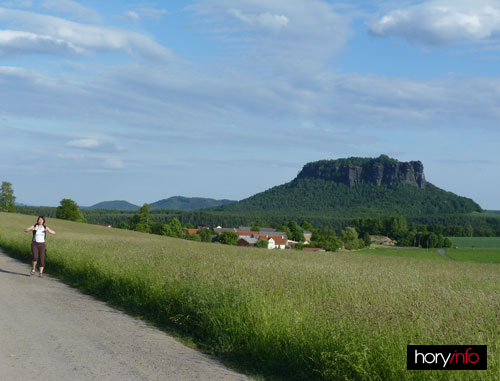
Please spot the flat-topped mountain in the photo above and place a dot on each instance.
(356, 170)
(355, 187)
(187, 203)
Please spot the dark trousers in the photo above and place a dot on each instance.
(38, 251)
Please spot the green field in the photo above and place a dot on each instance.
(283, 315)
(477, 242)
(453, 254)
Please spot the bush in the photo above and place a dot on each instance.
(262, 244)
(228, 238)
(205, 235)
(193, 237)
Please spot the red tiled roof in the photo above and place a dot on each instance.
(277, 240)
(246, 232)
(193, 231)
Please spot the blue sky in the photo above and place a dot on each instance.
(216, 98)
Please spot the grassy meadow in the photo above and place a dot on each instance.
(476, 242)
(482, 255)
(283, 315)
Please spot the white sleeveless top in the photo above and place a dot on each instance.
(39, 234)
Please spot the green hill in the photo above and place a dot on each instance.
(114, 205)
(187, 203)
(357, 187)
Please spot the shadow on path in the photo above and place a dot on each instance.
(13, 273)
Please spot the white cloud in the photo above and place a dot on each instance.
(84, 143)
(72, 8)
(442, 22)
(86, 37)
(308, 34)
(150, 12)
(13, 43)
(17, 4)
(131, 16)
(165, 105)
(113, 163)
(12, 75)
(91, 162)
(265, 20)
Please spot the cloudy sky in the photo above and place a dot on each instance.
(225, 98)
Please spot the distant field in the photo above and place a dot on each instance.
(487, 255)
(284, 315)
(476, 242)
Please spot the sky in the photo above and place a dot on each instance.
(141, 101)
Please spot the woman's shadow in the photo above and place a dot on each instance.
(13, 273)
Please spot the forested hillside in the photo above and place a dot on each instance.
(358, 187)
(187, 203)
(327, 197)
(114, 205)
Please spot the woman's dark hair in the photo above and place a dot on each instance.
(39, 218)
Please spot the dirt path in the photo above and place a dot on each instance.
(49, 331)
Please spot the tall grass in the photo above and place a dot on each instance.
(286, 315)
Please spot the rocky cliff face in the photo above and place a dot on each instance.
(379, 171)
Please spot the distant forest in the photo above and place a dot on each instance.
(482, 224)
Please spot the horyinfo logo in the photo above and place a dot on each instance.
(446, 357)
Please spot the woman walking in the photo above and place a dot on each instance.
(38, 243)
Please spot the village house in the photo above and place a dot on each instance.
(249, 238)
(276, 242)
(307, 235)
(247, 241)
(247, 233)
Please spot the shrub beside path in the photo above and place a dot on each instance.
(51, 331)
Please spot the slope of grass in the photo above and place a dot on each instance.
(287, 315)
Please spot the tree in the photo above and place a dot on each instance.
(367, 239)
(205, 234)
(255, 228)
(430, 240)
(159, 228)
(350, 238)
(297, 233)
(228, 238)
(193, 237)
(349, 234)
(307, 226)
(145, 216)
(330, 243)
(286, 230)
(68, 210)
(447, 242)
(263, 243)
(175, 228)
(7, 198)
(143, 228)
(143, 222)
(469, 230)
(396, 227)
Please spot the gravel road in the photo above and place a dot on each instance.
(50, 331)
